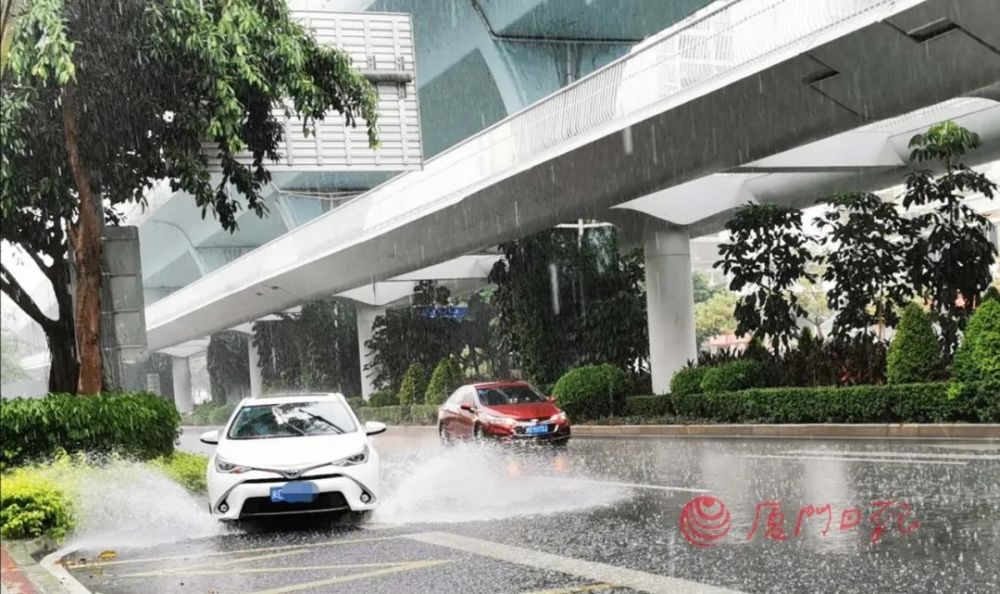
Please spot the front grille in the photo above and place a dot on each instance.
(257, 506)
(281, 479)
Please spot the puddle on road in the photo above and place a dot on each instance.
(469, 483)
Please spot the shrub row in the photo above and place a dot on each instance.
(896, 403)
(208, 414)
(134, 424)
(413, 414)
(591, 392)
(185, 468)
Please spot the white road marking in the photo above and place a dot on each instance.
(598, 572)
(618, 484)
(846, 459)
(915, 455)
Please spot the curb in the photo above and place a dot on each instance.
(799, 431)
(47, 576)
(928, 431)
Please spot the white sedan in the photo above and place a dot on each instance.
(294, 454)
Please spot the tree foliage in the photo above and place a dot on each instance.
(414, 385)
(101, 99)
(313, 350)
(914, 354)
(447, 378)
(767, 254)
(558, 299)
(228, 362)
(978, 358)
(950, 266)
(866, 245)
(715, 316)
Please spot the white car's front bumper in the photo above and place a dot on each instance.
(249, 495)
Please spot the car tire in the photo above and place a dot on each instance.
(478, 434)
(443, 436)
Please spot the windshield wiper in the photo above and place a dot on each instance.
(284, 423)
(320, 419)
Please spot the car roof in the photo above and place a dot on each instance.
(282, 398)
(500, 384)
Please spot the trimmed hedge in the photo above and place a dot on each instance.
(33, 504)
(185, 468)
(591, 392)
(688, 380)
(414, 385)
(447, 378)
(978, 358)
(896, 403)
(383, 398)
(208, 414)
(414, 414)
(914, 353)
(134, 424)
(737, 375)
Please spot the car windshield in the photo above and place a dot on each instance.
(291, 419)
(520, 394)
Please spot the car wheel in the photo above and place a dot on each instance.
(479, 434)
(443, 436)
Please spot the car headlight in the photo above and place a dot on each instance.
(502, 421)
(559, 417)
(227, 467)
(359, 458)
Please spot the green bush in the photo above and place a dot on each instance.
(978, 358)
(447, 378)
(356, 402)
(415, 414)
(914, 354)
(591, 392)
(136, 424)
(737, 375)
(184, 468)
(414, 385)
(688, 380)
(33, 505)
(896, 403)
(383, 398)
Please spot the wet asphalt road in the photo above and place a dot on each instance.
(614, 515)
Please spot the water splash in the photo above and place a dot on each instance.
(128, 504)
(467, 483)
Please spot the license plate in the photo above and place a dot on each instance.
(297, 492)
(536, 429)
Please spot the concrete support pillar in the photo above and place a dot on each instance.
(181, 372)
(256, 379)
(669, 302)
(366, 315)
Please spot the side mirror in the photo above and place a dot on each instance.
(210, 437)
(374, 427)
(466, 406)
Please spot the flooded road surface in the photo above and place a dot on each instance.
(612, 515)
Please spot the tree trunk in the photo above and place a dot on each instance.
(63, 368)
(85, 239)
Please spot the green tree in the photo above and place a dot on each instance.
(228, 362)
(411, 334)
(10, 11)
(414, 385)
(703, 288)
(978, 357)
(101, 99)
(558, 298)
(313, 350)
(866, 243)
(914, 354)
(950, 265)
(767, 254)
(447, 378)
(813, 299)
(715, 316)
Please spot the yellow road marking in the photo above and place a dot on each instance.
(353, 577)
(194, 568)
(329, 543)
(236, 570)
(574, 589)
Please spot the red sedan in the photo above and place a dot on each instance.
(508, 411)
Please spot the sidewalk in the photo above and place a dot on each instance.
(12, 579)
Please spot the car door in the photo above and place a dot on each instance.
(449, 412)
